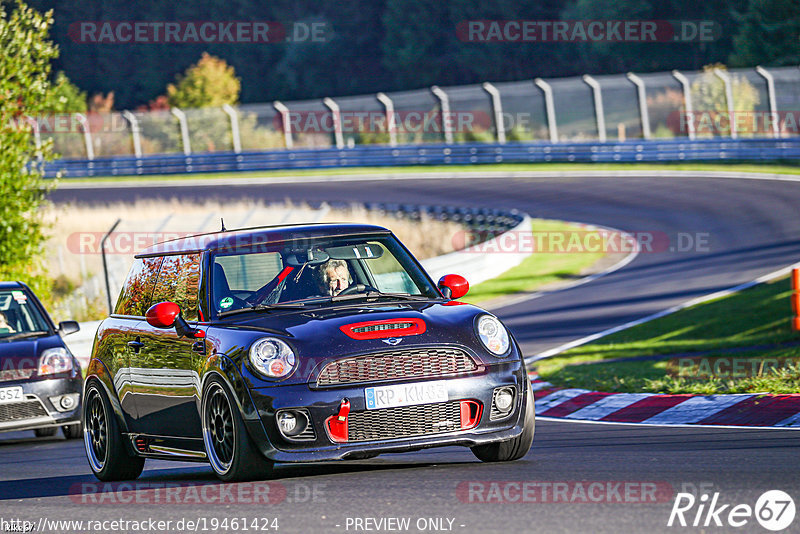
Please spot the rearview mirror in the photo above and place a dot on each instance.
(163, 314)
(453, 286)
(68, 327)
(168, 314)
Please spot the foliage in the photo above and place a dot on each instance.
(768, 34)
(710, 100)
(66, 96)
(26, 91)
(210, 82)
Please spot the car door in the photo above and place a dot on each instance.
(165, 371)
(119, 337)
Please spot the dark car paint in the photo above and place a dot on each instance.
(23, 355)
(166, 410)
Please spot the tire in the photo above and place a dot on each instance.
(45, 432)
(72, 431)
(229, 449)
(515, 448)
(105, 449)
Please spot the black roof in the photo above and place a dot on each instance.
(256, 236)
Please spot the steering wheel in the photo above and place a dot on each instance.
(357, 288)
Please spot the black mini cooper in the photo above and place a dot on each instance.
(296, 344)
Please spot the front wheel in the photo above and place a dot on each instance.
(105, 449)
(514, 448)
(229, 448)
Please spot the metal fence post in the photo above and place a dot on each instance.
(336, 114)
(445, 103)
(391, 119)
(600, 117)
(773, 103)
(286, 121)
(497, 107)
(726, 80)
(105, 264)
(135, 132)
(687, 103)
(187, 144)
(642, 96)
(550, 108)
(235, 136)
(87, 135)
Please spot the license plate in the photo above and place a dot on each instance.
(11, 395)
(405, 394)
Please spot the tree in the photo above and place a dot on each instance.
(769, 34)
(25, 91)
(210, 82)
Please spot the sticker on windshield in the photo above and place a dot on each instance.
(19, 296)
(227, 302)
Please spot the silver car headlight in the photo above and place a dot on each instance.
(54, 361)
(272, 357)
(493, 335)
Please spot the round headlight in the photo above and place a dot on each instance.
(493, 335)
(272, 357)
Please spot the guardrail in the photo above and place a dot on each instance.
(668, 150)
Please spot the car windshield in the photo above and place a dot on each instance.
(315, 270)
(19, 316)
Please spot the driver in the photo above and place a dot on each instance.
(333, 277)
(5, 328)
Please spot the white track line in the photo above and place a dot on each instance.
(698, 300)
(137, 182)
(660, 425)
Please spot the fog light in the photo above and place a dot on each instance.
(287, 422)
(504, 400)
(67, 402)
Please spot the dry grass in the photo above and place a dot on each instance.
(72, 250)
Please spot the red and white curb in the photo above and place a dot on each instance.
(746, 410)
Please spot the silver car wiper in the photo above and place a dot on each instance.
(22, 335)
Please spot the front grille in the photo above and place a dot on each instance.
(404, 422)
(17, 411)
(16, 374)
(394, 365)
(383, 326)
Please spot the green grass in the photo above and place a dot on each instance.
(537, 269)
(509, 167)
(757, 317)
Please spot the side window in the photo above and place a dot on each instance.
(134, 299)
(179, 282)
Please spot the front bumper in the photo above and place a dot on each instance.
(37, 410)
(324, 403)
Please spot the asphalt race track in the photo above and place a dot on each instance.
(746, 228)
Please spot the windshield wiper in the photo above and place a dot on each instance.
(22, 335)
(266, 307)
(378, 294)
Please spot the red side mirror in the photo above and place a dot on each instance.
(454, 284)
(163, 314)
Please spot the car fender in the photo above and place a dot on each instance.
(98, 372)
(225, 369)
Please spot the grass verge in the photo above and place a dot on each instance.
(742, 343)
(537, 269)
(509, 167)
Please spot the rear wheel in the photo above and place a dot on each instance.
(228, 446)
(105, 449)
(45, 432)
(72, 431)
(515, 448)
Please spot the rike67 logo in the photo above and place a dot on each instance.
(774, 510)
